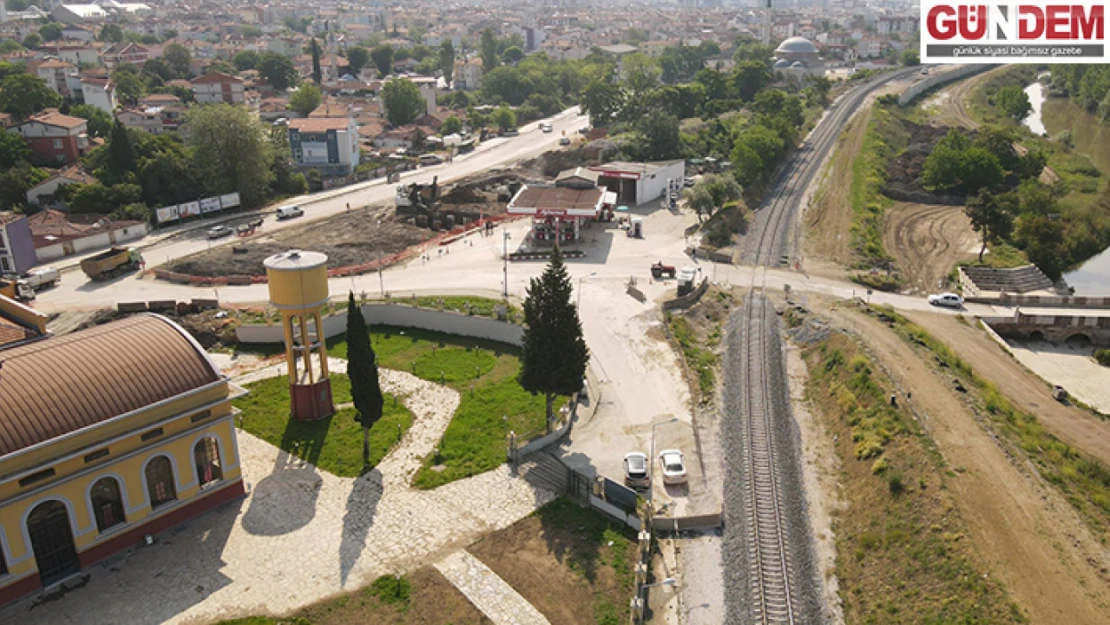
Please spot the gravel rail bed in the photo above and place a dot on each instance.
(773, 579)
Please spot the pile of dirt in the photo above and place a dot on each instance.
(349, 238)
(549, 164)
(213, 329)
(904, 172)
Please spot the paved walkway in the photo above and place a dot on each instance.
(301, 534)
(488, 592)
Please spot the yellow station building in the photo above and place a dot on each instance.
(107, 435)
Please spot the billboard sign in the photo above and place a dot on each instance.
(167, 214)
(1013, 32)
(189, 209)
(230, 199)
(210, 205)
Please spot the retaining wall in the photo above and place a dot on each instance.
(689, 299)
(921, 86)
(402, 316)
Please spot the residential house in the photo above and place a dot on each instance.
(152, 119)
(99, 92)
(218, 87)
(17, 251)
(57, 74)
(78, 33)
(126, 52)
(328, 144)
(870, 48)
(76, 52)
(56, 234)
(55, 137)
(396, 138)
(468, 74)
(43, 194)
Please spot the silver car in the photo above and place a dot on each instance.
(636, 470)
(949, 300)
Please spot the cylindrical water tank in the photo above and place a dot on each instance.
(298, 279)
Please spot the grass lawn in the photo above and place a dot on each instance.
(423, 597)
(491, 404)
(571, 563)
(333, 444)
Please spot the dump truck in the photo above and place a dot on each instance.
(111, 263)
(41, 277)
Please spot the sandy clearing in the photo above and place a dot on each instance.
(927, 241)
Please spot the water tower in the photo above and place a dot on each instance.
(299, 289)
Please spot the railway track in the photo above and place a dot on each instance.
(770, 571)
(768, 244)
(771, 578)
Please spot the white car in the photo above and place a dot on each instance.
(950, 300)
(674, 466)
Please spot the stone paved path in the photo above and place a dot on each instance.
(301, 534)
(488, 592)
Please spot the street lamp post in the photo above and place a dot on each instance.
(651, 458)
(505, 261)
(578, 303)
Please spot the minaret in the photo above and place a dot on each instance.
(766, 40)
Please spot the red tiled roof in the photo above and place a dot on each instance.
(52, 117)
(215, 77)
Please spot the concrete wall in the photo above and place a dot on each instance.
(921, 86)
(402, 316)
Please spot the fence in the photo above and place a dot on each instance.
(401, 316)
(921, 86)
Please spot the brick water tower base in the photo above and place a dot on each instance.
(310, 402)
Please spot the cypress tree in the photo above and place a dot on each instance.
(362, 369)
(317, 75)
(121, 156)
(554, 351)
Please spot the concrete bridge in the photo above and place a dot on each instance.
(1076, 320)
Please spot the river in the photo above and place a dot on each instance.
(1092, 139)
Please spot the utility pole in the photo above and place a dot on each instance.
(505, 263)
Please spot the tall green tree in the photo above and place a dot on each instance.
(504, 118)
(13, 150)
(179, 59)
(554, 352)
(357, 58)
(403, 102)
(99, 121)
(513, 55)
(158, 67)
(992, 216)
(51, 31)
(447, 61)
(383, 59)
(244, 60)
(602, 101)
(362, 369)
(24, 94)
(317, 74)
(230, 151)
(749, 78)
(487, 50)
(121, 156)
(641, 74)
(1013, 102)
(278, 70)
(110, 33)
(451, 125)
(305, 99)
(1043, 240)
(659, 136)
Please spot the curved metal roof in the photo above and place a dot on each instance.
(57, 386)
(797, 45)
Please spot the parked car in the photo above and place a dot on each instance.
(950, 300)
(430, 159)
(288, 212)
(674, 466)
(636, 470)
(218, 232)
(564, 140)
(688, 181)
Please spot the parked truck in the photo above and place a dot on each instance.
(15, 289)
(111, 263)
(41, 277)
